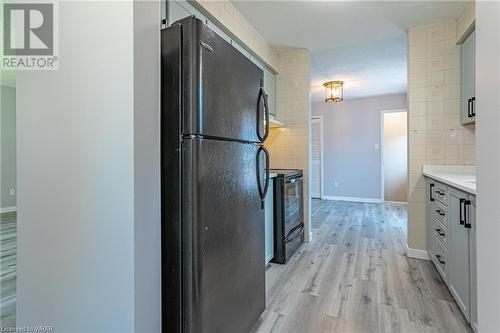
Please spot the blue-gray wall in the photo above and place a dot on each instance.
(8, 146)
(88, 174)
(351, 129)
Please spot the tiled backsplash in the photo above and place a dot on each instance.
(436, 135)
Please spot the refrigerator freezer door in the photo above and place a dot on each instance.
(227, 287)
(221, 88)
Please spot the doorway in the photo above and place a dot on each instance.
(316, 157)
(394, 155)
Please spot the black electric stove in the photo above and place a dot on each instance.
(288, 213)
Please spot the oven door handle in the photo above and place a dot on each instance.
(294, 233)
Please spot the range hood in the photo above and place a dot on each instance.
(274, 123)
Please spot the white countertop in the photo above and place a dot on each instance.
(462, 177)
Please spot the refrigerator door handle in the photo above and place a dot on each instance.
(262, 191)
(263, 95)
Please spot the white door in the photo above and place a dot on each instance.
(394, 158)
(316, 157)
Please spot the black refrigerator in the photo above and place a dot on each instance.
(215, 175)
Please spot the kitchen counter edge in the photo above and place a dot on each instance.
(454, 178)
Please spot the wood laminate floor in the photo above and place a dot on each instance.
(8, 268)
(355, 277)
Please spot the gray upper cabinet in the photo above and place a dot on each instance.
(459, 249)
(179, 9)
(468, 95)
(270, 88)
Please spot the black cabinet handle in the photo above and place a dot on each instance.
(442, 234)
(466, 219)
(473, 107)
(462, 205)
(469, 102)
(440, 212)
(439, 259)
(430, 192)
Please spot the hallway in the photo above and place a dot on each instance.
(8, 268)
(355, 276)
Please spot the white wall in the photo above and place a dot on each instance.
(147, 228)
(85, 261)
(7, 147)
(488, 165)
(351, 129)
(395, 156)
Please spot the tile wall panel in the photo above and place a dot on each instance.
(436, 135)
(289, 147)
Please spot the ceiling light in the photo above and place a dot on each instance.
(334, 91)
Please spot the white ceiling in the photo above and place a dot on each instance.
(363, 43)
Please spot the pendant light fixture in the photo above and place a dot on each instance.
(334, 91)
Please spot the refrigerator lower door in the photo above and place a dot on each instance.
(222, 217)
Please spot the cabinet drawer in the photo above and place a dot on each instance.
(440, 232)
(440, 257)
(441, 213)
(441, 193)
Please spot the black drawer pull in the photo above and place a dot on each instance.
(440, 212)
(466, 217)
(439, 231)
(462, 209)
(439, 259)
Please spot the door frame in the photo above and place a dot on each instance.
(320, 118)
(382, 175)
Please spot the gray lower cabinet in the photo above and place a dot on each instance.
(451, 242)
(458, 256)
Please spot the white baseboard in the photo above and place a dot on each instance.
(397, 202)
(8, 209)
(351, 199)
(416, 253)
